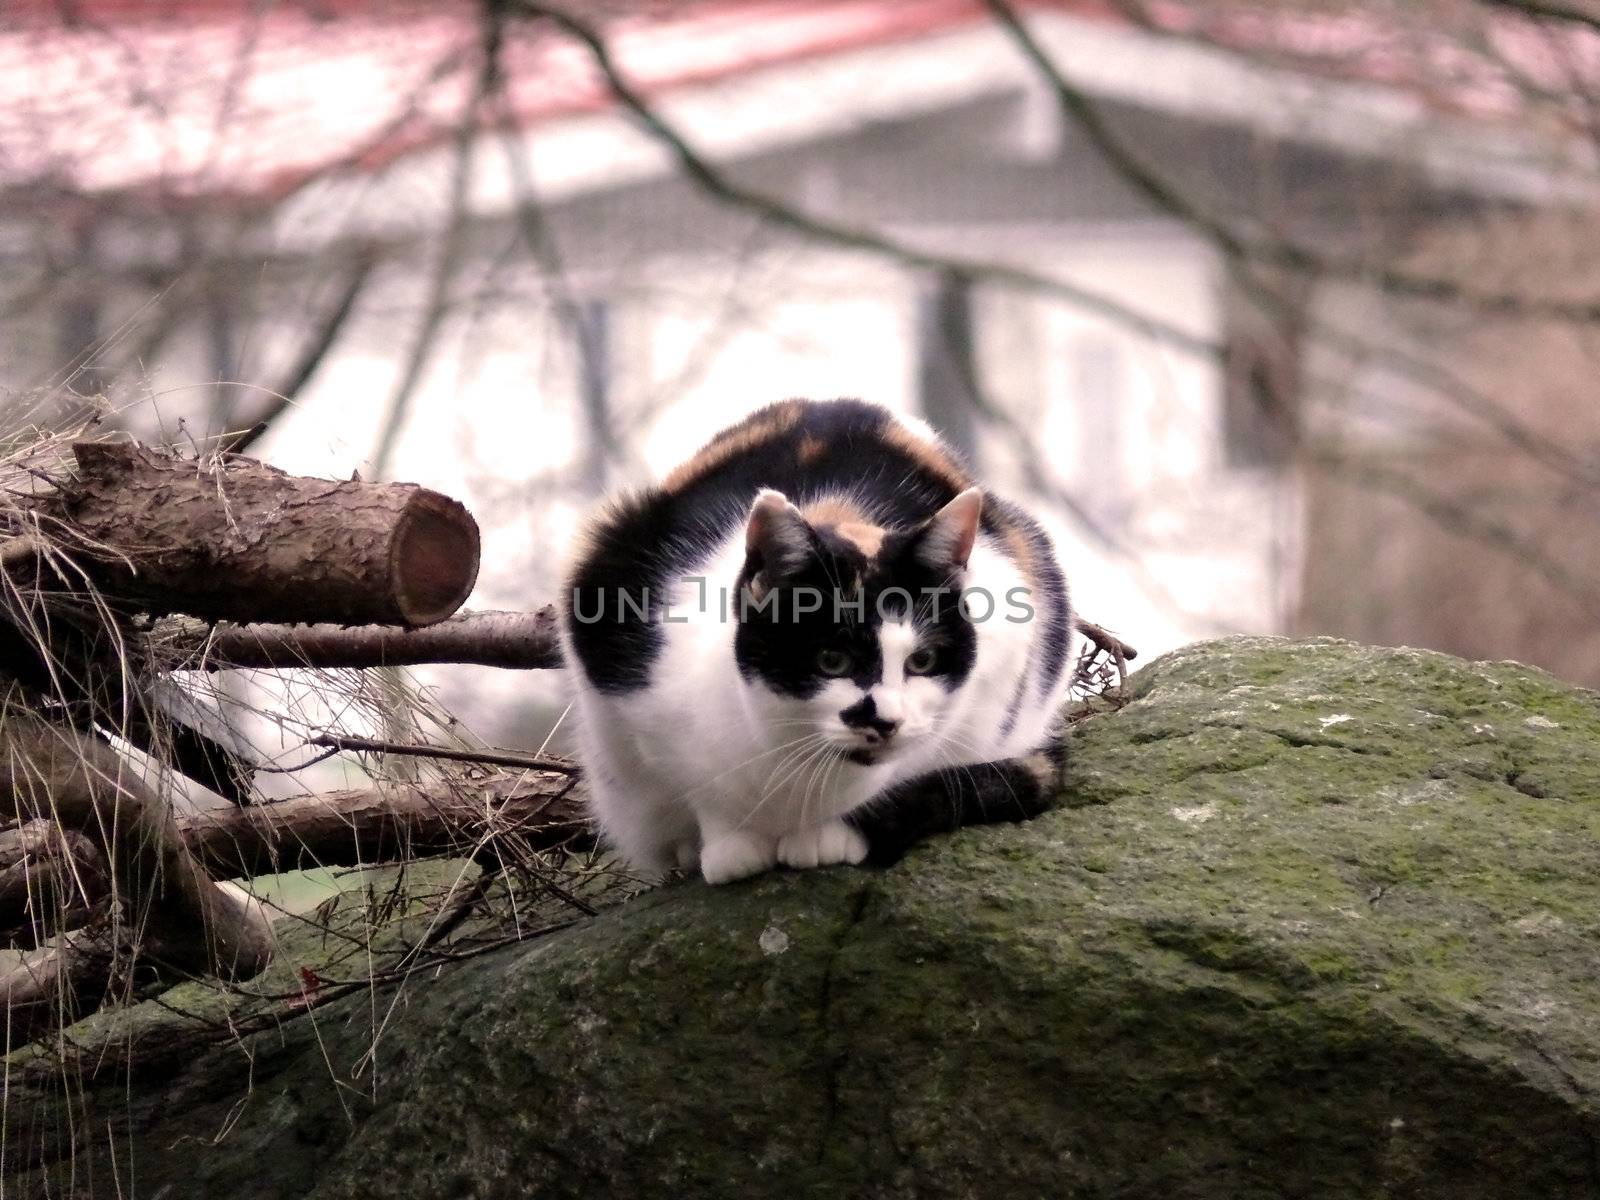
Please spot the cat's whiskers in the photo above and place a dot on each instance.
(777, 780)
(960, 742)
(789, 763)
(829, 775)
(947, 764)
(818, 745)
(822, 768)
(823, 782)
(739, 766)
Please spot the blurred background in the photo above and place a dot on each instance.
(1283, 315)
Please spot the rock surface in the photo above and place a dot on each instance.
(1313, 919)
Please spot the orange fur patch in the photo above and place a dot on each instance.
(847, 520)
(833, 510)
(866, 538)
(811, 449)
(931, 456)
(761, 426)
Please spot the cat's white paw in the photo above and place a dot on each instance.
(736, 856)
(820, 845)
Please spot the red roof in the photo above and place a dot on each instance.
(231, 100)
(176, 99)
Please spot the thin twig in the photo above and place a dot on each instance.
(1105, 640)
(500, 758)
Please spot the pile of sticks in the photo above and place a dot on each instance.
(132, 562)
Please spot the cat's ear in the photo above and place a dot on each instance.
(945, 542)
(776, 537)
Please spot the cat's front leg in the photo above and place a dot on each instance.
(822, 845)
(736, 855)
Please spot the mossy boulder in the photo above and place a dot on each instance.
(1312, 919)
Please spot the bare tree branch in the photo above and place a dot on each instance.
(1239, 250)
(495, 758)
(718, 185)
(1462, 520)
(1550, 10)
(1261, 245)
(452, 246)
(311, 357)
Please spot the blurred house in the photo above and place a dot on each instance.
(202, 192)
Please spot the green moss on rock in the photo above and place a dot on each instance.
(1314, 919)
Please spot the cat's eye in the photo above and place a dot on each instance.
(833, 662)
(921, 662)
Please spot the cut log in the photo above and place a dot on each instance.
(513, 640)
(542, 808)
(245, 542)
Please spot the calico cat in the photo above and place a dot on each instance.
(772, 647)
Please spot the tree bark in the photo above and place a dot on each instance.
(245, 542)
(514, 640)
(351, 828)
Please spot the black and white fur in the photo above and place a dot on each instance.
(722, 736)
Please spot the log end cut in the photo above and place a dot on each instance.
(433, 558)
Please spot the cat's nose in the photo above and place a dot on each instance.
(880, 730)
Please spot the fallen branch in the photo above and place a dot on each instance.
(75, 973)
(493, 758)
(514, 640)
(519, 641)
(351, 828)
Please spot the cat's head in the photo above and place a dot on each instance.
(851, 633)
